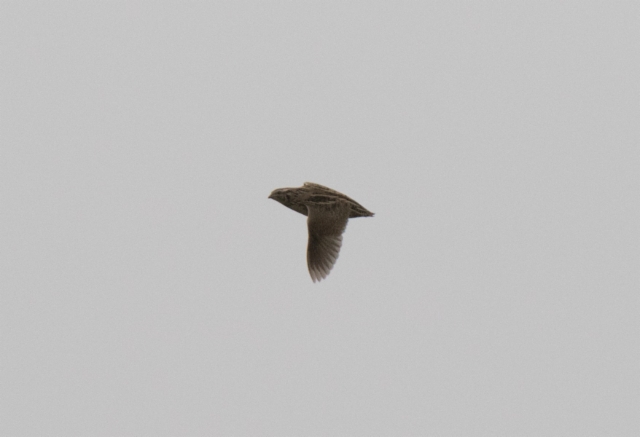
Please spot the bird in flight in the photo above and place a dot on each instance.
(327, 213)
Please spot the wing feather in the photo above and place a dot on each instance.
(326, 224)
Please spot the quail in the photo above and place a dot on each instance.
(327, 214)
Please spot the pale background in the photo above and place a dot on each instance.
(149, 287)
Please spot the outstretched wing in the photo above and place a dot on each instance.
(326, 223)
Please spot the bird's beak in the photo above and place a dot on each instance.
(270, 196)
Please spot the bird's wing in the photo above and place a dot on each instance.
(314, 185)
(326, 223)
(321, 189)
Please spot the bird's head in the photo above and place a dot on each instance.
(289, 197)
(281, 195)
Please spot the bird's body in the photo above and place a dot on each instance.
(328, 212)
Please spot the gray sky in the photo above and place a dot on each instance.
(149, 287)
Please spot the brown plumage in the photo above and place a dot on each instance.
(328, 212)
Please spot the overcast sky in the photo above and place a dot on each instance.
(149, 287)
